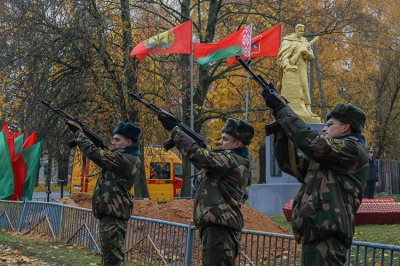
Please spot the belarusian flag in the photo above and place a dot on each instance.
(31, 157)
(19, 170)
(264, 44)
(19, 167)
(18, 143)
(177, 40)
(6, 171)
(30, 140)
(234, 44)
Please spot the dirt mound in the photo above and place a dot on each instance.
(178, 211)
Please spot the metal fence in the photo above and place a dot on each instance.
(158, 242)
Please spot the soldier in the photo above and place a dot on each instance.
(373, 176)
(332, 169)
(217, 203)
(112, 201)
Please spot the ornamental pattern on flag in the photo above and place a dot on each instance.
(263, 45)
(246, 41)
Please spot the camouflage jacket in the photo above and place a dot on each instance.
(225, 173)
(120, 167)
(332, 192)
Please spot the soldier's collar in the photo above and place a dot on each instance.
(133, 150)
(357, 137)
(242, 151)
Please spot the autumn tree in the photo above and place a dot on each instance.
(219, 91)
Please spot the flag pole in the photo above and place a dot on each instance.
(191, 102)
(248, 75)
(247, 95)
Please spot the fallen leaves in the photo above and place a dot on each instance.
(10, 256)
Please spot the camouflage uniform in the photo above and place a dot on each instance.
(218, 198)
(324, 208)
(112, 201)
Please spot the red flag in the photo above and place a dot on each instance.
(5, 129)
(11, 145)
(264, 44)
(30, 140)
(19, 169)
(10, 140)
(177, 40)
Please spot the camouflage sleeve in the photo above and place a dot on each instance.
(112, 160)
(219, 162)
(338, 154)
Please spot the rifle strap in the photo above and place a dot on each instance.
(292, 159)
(310, 170)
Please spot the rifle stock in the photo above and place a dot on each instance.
(169, 144)
(96, 139)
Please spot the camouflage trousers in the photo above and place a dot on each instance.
(220, 245)
(112, 240)
(330, 252)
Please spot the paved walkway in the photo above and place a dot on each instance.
(53, 196)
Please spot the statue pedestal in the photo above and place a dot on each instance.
(280, 187)
(292, 91)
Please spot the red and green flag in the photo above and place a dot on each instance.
(6, 171)
(19, 170)
(263, 45)
(30, 140)
(31, 157)
(19, 160)
(237, 43)
(18, 142)
(177, 40)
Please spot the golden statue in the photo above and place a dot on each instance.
(294, 53)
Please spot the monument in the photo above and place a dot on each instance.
(294, 54)
(293, 57)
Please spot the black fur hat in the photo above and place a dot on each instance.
(240, 129)
(128, 130)
(348, 113)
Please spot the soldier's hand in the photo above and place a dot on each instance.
(270, 100)
(167, 122)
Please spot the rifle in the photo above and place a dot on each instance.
(295, 57)
(169, 144)
(96, 139)
(273, 127)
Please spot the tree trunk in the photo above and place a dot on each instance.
(186, 103)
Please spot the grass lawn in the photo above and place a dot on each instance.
(376, 233)
(51, 252)
(53, 187)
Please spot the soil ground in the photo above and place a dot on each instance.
(179, 211)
